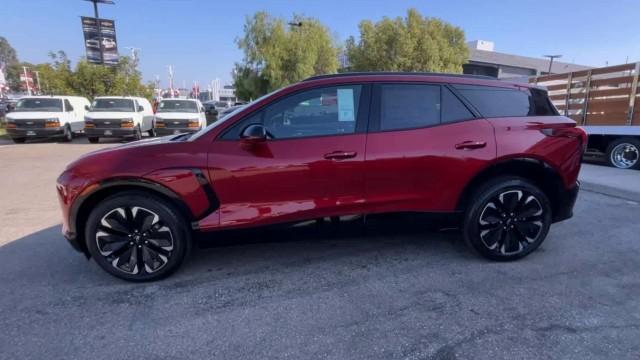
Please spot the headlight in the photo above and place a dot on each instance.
(159, 122)
(11, 124)
(88, 122)
(194, 123)
(52, 122)
(126, 123)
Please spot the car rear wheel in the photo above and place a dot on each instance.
(93, 139)
(137, 237)
(624, 153)
(508, 219)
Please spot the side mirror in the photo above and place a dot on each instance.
(140, 108)
(86, 107)
(254, 133)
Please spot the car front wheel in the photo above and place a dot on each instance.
(508, 219)
(137, 237)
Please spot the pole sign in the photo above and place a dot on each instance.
(105, 39)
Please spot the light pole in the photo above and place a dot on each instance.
(95, 12)
(551, 57)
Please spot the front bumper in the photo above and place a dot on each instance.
(174, 131)
(565, 203)
(115, 132)
(36, 132)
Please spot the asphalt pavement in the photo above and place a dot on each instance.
(387, 289)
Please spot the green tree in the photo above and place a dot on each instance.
(276, 54)
(414, 43)
(8, 54)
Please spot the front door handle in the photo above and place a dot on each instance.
(340, 155)
(470, 145)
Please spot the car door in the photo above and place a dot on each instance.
(424, 145)
(69, 115)
(310, 166)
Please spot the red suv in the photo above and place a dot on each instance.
(494, 154)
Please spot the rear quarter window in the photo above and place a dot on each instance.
(505, 102)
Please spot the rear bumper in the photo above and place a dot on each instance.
(172, 131)
(36, 133)
(566, 202)
(115, 132)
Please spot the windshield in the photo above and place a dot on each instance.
(125, 105)
(221, 104)
(39, 104)
(178, 106)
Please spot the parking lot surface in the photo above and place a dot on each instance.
(389, 289)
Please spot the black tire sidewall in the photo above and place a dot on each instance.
(617, 142)
(93, 139)
(68, 134)
(172, 218)
(470, 229)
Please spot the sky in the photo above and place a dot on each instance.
(198, 37)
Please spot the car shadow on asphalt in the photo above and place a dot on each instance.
(45, 257)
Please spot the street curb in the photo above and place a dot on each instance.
(610, 191)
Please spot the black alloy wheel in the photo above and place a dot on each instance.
(508, 220)
(137, 237)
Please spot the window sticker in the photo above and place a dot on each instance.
(346, 108)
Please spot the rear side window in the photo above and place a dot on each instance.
(541, 103)
(498, 102)
(405, 106)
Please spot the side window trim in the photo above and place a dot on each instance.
(362, 119)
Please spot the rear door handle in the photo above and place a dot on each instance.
(340, 155)
(470, 145)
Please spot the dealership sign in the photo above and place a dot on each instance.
(105, 38)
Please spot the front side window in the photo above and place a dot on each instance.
(407, 106)
(67, 105)
(117, 105)
(39, 104)
(167, 106)
(316, 112)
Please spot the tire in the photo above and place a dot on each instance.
(19, 140)
(93, 139)
(152, 133)
(624, 153)
(138, 237)
(508, 218)
(68, 134)
(138, 134)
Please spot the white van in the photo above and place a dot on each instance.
(175, 116)
(46, 116)
(118, 116)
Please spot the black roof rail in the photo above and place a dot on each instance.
(407, 73)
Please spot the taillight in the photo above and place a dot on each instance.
(567, 132)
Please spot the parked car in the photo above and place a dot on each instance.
(210, 111)
(118, 116)
(46, 117)
(493, 155)
(175, 116)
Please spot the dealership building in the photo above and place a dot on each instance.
(483, 60)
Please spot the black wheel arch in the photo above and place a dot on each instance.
(537, 171)
(82, 207)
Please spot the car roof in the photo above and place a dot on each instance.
(385, 76)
